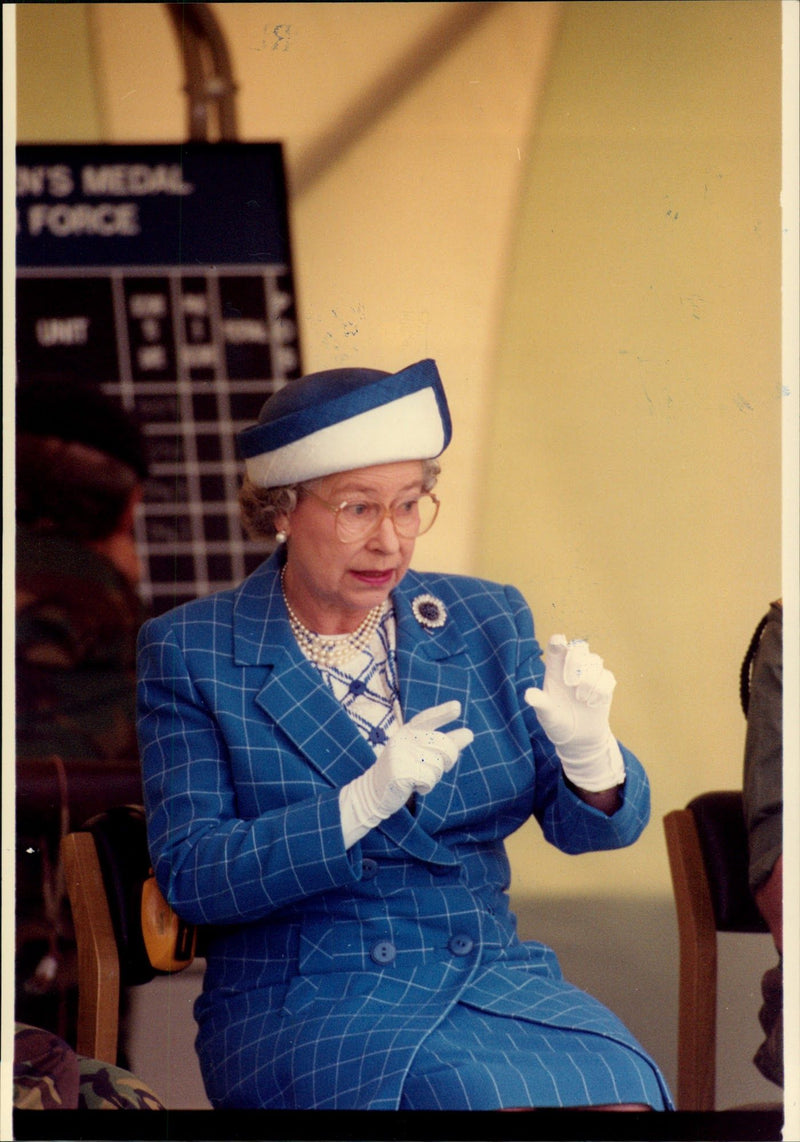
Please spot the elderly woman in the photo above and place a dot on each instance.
(334, 753)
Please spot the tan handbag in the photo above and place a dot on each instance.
(170, 942)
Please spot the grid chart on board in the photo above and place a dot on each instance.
(162, 274)
(193, 355)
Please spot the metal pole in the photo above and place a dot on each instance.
(210, 86)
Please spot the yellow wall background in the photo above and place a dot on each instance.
(631, 479)
(575, 209)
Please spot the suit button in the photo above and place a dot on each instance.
(369, 868)
(461, 945)
(383, 952)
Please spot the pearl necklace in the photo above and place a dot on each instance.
(328, 650)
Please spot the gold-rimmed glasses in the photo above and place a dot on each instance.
(357, 520)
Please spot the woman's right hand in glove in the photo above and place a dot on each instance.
(412, 761)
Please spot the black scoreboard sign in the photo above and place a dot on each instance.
(162, 273)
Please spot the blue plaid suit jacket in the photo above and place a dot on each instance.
(327, 967)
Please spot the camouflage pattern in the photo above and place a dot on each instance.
(46, 1072)
(104, 1087)
(48, 1075)
(77, 619)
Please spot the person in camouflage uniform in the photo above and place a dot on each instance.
(80, 469)
(762, 703)
(48, 1075)
(77, 618)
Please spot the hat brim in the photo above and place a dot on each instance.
(385, 418)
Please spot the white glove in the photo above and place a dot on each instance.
(573, 708)
(412, 761)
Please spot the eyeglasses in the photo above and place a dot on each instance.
(359, 519)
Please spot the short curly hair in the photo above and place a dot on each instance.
(259, 507)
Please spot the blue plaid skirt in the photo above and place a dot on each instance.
(477, 1061)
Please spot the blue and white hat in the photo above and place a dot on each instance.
(346, 418)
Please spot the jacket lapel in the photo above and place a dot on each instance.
(294, 695)
(431, 661)
(432, 668)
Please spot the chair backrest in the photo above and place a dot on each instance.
(106, 866)
(707, 848)
(53, 796)
(84, 787)
(98, 961)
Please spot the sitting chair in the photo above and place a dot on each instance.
(53, 796)
(708, 859)
(107, 872)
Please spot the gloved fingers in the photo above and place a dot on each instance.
(432, 743)
(555, 715)
(584, 671)
(552, 709)
(438, 757)
(578, 660)
(424, 784)
(430, 767)
(461, 738)
(402, 788)
(556, 653)
(431, 762)
(599, 692)
(588, 678)
(538, 699)
(436, 716)
(439, 752)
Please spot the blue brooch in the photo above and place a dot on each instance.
(429, 611)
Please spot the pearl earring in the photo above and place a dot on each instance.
(280, 536)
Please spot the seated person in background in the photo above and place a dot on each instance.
(762, 702)
(333, 755)
(80, 467)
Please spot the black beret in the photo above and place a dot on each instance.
(79, 411)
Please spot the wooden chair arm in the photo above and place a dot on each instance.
(697, 934)
(98, 959)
